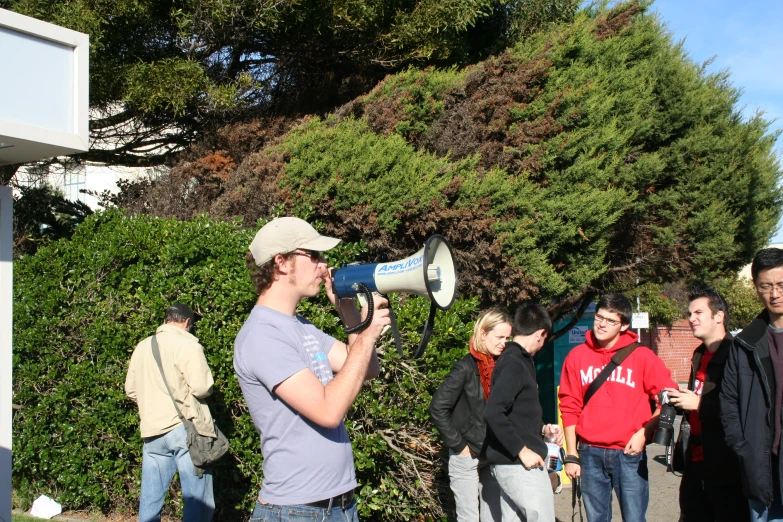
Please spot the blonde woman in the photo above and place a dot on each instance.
(457, 410)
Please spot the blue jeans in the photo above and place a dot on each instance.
(607, 469)
(274, 513)
(761, 513)
(162, 456)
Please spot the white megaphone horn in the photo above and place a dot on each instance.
(430, 273)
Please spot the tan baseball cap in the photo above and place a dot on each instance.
(282, 235)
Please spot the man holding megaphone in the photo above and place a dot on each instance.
(299, 382)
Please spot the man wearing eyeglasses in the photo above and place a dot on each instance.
(710, 489)
(299, 382)
(606, 437)
(752, 393)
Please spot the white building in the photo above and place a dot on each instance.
(72, 180)
(38, 120)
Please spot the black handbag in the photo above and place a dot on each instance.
(204, 450)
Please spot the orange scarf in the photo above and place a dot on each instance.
(486, 363)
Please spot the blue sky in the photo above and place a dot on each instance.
(743, 37)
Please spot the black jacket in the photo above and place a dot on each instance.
(720, 463)
(457, 407)
(513, 413)
(746, 409)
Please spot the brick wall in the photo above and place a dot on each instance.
(675, 345)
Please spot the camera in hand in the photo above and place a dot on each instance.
(666, 421)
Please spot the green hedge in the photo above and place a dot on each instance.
(80, 307)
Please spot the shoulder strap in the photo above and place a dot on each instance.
(156, 355)
(576, 497)
(617, 360)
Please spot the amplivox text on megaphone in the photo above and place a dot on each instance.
(430, 272)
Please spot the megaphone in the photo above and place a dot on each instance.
(430, 273)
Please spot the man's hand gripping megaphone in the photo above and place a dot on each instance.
(377, 317)
(430, 273)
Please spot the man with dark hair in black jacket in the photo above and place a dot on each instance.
(515, 445)
(752, 393)
(710, 489)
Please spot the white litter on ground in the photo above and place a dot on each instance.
(45, 507)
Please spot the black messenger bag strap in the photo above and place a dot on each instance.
(617, 360)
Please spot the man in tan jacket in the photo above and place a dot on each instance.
(165, 439)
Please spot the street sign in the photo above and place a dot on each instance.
(576, 335)
(640, 320)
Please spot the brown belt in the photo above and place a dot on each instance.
(341, 501)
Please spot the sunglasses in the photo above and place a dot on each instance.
(314, 255)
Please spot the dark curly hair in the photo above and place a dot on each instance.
(715, 301)
(263, 276)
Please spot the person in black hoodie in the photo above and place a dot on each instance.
(457, 410)
(752, 393)
(710, 490)
(515, 444)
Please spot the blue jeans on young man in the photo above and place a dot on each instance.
(607, 469)
(162, 456)
(302, 513)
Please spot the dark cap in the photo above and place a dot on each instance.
(181, 310)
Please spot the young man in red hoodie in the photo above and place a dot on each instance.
(614, 426)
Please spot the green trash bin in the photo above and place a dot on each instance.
(549, 361)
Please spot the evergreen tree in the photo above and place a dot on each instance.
(165, 72)
(586, 157)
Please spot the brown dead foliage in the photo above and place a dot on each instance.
(207, 178)
(220, 165)
(240, 139)
(252, 190)
(382, 115)
(482, 116)
(615, 20)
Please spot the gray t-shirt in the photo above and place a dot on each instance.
(303, 462)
